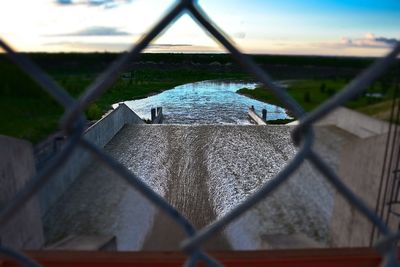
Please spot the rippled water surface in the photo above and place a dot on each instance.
(207, 102)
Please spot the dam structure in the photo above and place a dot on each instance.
(204, 171)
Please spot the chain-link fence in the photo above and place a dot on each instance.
(73, 123)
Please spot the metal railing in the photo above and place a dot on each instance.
(73, 123)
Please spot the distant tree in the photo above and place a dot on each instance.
(322, 88)
(307, 97)
(372, 87)
(358, 96)
(131, 76)
(385, 85)
(93, 112)
(372, 100)
(330, 91)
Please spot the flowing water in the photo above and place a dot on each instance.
(206, 102)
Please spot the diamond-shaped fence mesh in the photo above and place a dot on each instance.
(73, 124)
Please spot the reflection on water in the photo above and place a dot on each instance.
(207, 102)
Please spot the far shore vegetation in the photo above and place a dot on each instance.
(28, 112)
(375, 101)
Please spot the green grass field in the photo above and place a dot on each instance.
(311, 93)
(381, 110)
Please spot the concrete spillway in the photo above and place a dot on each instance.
(204, 171)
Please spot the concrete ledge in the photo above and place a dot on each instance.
(85, 243)
(99, 134)
(254, 116)
(107, 127)
(354, 122)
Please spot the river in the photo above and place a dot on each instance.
(206, 102)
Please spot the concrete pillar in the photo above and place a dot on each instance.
(153, 114)
(264, 114)
(159, 111)
(24, 230)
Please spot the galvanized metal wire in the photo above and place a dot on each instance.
(73, 121)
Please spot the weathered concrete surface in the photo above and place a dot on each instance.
(204, 171)
(17, 166)
(255, 117)
(360, 169)
(360, 166)
(353, 122)
(100, 134)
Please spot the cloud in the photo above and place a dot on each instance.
(114, 45)
(155, 46)
(91, 46)
(124, 46)
(104, 3)
(64, 2)
(369, 40)
(180, 48)
(96, 31)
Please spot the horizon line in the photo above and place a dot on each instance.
(194, 53)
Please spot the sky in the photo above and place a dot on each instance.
(302, 27)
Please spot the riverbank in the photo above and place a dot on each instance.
(311, 93)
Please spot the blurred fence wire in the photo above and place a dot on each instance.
(73, 122)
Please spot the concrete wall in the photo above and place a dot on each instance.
(254, 116)
(17, 166)
(360, 165)
(360, 169)
(100, 134)
(354, 122)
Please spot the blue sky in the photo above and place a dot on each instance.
(317, 27)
